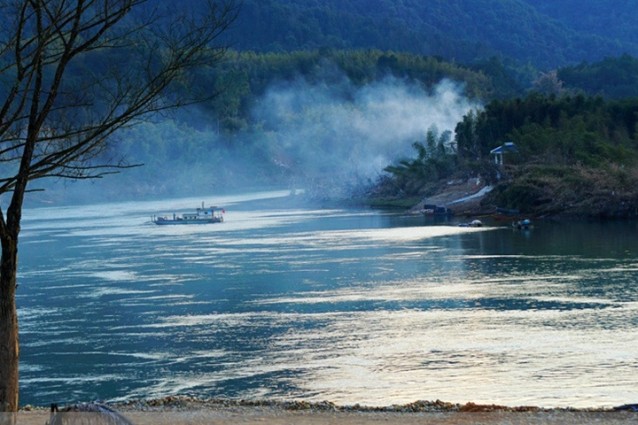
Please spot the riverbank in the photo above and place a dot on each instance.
(550, 198)
(187, 410)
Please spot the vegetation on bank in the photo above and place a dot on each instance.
(575, 156)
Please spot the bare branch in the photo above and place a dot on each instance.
(67, 97)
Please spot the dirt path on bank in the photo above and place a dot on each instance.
(463, 198)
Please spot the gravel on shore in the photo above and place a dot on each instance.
(196, 411)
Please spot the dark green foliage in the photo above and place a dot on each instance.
(435, 161)
(577, 155)
(508, 80)
(606, 191)
(546, 34)
(600, 18)
(556, 130)
(614, 78)
(244, 77)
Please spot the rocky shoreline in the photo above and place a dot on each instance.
(421, 406)
(193, 410)
(472, 198)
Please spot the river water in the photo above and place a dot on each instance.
(351, 306)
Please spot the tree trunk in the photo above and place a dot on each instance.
(9, 345)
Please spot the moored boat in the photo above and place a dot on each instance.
(435, 210)
(524, 224)
(473, 223)
(203, 215)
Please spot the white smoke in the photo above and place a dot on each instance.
(355, 131)
(333, 135)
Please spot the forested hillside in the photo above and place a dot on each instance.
(610, 19)
(327, 95)
(545, 34)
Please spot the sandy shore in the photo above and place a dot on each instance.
(179, 411)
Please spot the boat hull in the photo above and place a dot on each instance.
(171, 222)
(202, 215)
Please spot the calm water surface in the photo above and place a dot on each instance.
(351, 306)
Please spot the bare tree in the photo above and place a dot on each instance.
(73, 73)
(548, 83)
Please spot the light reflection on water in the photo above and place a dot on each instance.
(351, 306)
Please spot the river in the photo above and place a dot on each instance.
(283, 301)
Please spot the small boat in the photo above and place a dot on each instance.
(436, 211)
(524, 224)
(473, 223)
(203, 215)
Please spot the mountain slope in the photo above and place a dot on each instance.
(604, 18)
(463, 30)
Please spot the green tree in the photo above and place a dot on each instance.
(433, 162)
(61, 104)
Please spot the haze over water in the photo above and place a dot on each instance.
(352, 306)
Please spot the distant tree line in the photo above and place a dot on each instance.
(554, 130)
(244, 76)
(614, 78)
